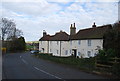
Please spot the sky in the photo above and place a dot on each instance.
(34, 16)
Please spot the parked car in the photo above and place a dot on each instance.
(34, 51)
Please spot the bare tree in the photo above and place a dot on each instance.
(8, 29)
(16, 33)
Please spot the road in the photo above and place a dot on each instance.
(26, 66)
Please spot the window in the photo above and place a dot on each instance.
(79, 42)
(89, 53)
(57, 51)
(78, 53)
(89, 42)
(70, 51)
(57, 42)
(66, 52)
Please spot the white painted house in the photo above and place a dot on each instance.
(85, 43)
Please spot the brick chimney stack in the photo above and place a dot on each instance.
(44, 33)
(72, 29)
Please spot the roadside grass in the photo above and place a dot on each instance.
(83, 64)
(86, 64)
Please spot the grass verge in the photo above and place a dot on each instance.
(86, 64)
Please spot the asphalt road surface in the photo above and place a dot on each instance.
(25, 66)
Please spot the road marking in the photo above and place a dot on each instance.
(47, 73)
(36, 68)
(24, 61)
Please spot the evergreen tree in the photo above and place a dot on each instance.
(111, 39)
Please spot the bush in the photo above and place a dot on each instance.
(105, 55)
(102, 56)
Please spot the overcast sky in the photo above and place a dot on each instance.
(34, 16)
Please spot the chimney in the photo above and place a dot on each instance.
(94, 25)
(71, 26)
(72, 29)
(74, 25)
(44, 33)
(61, 31)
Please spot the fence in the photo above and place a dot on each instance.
(111, 66)
(106, 64)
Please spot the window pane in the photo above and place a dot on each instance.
(89, 42)
(70, 51)
(79, 42)
(78, 53)
(57, 42)
(66, 52)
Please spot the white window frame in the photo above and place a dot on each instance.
(66, 52)
(89, 42)
(79, 54)
(70, 51)
(79, 42)
(57, 42)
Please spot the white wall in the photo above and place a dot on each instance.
(66, 46)
(58, 48)
(54, 47)
(83, 48)
(43, 44)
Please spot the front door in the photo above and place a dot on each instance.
(74, 52)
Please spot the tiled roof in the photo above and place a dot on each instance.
(45, 38)
(91, 33)
(60, 36)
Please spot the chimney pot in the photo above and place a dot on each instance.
(71, 26)
(94, 25)
(74, 25)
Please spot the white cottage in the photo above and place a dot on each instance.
(56, 44)
(83, 44)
